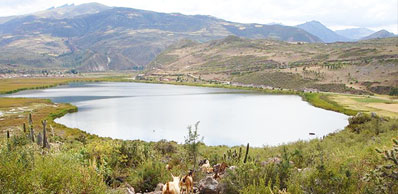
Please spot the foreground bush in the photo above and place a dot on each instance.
(146, 177)
(25, 170)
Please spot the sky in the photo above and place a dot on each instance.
(336, 14)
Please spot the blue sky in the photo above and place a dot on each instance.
(336, 14)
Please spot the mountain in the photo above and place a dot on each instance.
(93, 37)
(70, 11)
(65, 11)
(355, 33)
(325, 34)
(379, 34)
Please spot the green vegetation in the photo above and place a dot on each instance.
(8, 86)
(322, 101)
(192, 143)
(23, 169)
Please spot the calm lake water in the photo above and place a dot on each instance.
(152, 112)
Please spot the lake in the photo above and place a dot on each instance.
(152, 112)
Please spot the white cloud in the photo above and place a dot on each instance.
(375, 14)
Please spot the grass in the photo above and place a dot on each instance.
(12, 85)
(323, 100)
(8, 86)
(369, 99)
(15, 113)
(380, 104)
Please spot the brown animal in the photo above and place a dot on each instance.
(186, 182)
(172, 187)
(220, 168)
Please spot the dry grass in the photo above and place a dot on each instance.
(15, 112)
(380, 104)
(17, 84)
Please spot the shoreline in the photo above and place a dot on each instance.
(318, 99)
(73, 131)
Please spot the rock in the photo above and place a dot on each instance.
(208, 186)
(229, 170)
(195, 189)
(232, 168)
(373, 114)
(274, 160)
(159, 187)
(359, 114)
(129, 189)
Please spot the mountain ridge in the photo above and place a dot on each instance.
(379, 34)
(325, 34)
(130, 38)
(355, 33)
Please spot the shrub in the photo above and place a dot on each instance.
(145, 177)
(24, 171)
(356, 122)
(384, 178)
(166, 147)
(252, 175)
(324, 179)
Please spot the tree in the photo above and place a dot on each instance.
(192, 142)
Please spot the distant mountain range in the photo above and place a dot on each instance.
(355, 33)
(321, 31)
(352, 34)
(95, 37)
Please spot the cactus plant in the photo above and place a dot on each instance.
(45, 142)
(247, 152)
(385, 176)
(39, 139)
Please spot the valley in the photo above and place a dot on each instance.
(109, 99)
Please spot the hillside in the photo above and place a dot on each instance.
(325, 34)
(339, 67)
(93, 37)
(379, 34)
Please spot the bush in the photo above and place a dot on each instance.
(24, 171)
(166, 147)
(253, 175)
(324, 179)
(145, 177)
(356, 122)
